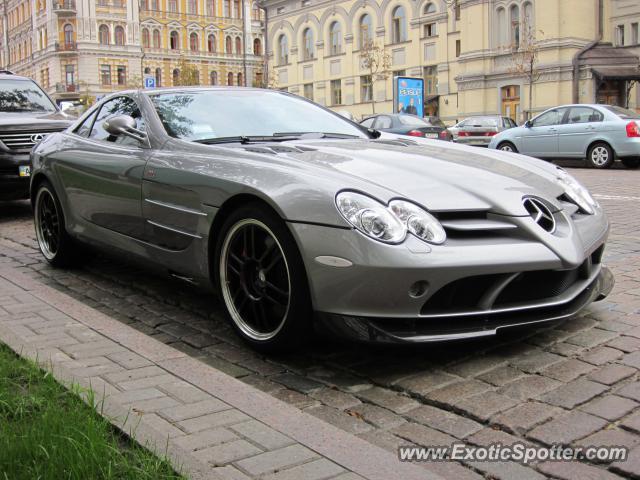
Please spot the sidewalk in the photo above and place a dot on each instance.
(209, 424)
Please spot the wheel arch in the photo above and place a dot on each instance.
(595, 142)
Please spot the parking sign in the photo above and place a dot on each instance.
(149, 81)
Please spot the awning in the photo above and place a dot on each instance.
(431, 98)
(618, 72)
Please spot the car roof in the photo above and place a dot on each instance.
(5, 74)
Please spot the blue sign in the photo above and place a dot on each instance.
(408, 95)
(150, 82)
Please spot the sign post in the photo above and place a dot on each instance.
(149, 81)
(408, 95)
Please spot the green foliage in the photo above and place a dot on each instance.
(189, 74)
(49, 433)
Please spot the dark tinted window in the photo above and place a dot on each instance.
(23, 96)
(623, 113)
(584, 115)
(482, 122)
(117, 106)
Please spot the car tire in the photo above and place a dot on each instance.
(508, 147)
(261, 280)
(631, 163)
(57, 247)
(600, 155)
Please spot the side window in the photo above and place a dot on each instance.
(552, 117)
(383, 122)
(368, 123)
(85, 127)
(584, 115)
(117, 106)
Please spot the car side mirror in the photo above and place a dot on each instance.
(528, 124)
(123, 125)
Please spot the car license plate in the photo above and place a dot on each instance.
(431, 135)
(24, 171)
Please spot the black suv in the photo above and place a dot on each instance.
(27, 114)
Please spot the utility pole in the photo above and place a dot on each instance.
(244, 36)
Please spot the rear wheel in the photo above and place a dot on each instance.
(507, 147)
(600, 155)
(631, 162)
(57, 247)
(262, 280)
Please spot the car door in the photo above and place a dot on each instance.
(102, 174)
(575, 134)
(540, 139)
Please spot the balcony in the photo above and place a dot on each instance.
(67, 47)
(111, 4)
(67, 87)
(64, 7)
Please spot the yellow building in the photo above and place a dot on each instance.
(472, 53)
(90, 48)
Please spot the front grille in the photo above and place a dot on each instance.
(474, 224)
(22, 141)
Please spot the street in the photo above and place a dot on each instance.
(572, 383)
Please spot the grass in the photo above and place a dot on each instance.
(48, 432)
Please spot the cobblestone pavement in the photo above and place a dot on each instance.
(575, 383)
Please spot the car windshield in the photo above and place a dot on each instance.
(623, 113)
(234, 113)
(413, 121)
(481, 122)
(23, 96)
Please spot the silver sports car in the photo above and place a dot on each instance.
(292, 213)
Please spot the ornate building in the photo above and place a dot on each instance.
(471, 53)
(75, 48)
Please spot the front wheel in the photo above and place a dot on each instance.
(631, 163)
(262, 280)
(600, 155)
(507, 147)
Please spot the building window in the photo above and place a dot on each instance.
(121, 73)
(228, 45)
(238, 46)
(240, 82)
(335, 38)
(307, 41)
(528, 14)
(308, 90)
(366, 30)
(119, 35)
(283, 50)
(105, 74)
(145, 38)
(230, 79)
(103, 34)
(174, 40)
(68, 34)
(514, 14)
(620, 35)
(156, 39)
(192, 7)
(430, 52)
(430, 30)
(226, 8)
(172, 5)
(456, 10)
(511, 101)
(458, 48)
(366, 92)
(176, 77)
(70, 74)
(634, 34)
(336, 92)
(213, 78)
(398, 25)
(193, 42)
(501, 24)
(430, 76)
(257, 47)
(211, 8)
(158, 77)
(211, 43)
(430, 8)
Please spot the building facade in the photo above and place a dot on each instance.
(473, 54)
(78, 48)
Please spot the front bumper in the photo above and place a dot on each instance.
(12, 185)
(473, 286)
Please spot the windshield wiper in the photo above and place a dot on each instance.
(311, 135)
(244, 139)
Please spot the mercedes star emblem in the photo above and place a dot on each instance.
(540, 213)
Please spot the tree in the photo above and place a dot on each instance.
(628, 87)
(189, 73)
(524, 60)
(377, 62)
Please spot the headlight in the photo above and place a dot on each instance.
(577, 192)
(418, 221)
(389, 224)
(370, 217)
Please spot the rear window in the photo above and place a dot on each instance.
(481, 122)
(436, 122)
(23, 96)
(412, 121)
(623, 113)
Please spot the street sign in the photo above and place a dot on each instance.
(149, 81)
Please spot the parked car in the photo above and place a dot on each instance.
(27, 115)
(286, 208)
(599, 133)
(405, 124)
(478, 131)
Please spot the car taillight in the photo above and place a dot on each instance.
(443, 134)
(633, 130)
(490, 134)
(416, 133)
(463, 134)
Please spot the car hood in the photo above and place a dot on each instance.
(440, 176)
(34, 121)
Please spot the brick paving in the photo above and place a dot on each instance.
(565, 383)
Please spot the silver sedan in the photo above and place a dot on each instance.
(287, 210)
(599, 133)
